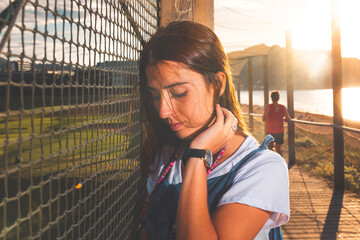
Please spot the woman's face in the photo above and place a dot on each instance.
(181, 97)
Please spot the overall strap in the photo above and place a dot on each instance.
(268, 139)
(218, 186)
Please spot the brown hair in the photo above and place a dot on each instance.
(275, 96)
(197, 48)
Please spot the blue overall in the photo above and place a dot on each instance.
(161, 214)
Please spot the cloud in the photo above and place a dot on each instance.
(243, 23)
(93, 37)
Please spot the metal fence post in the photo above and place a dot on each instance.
(250, 89)
(290, 98)
(337, 85)
(266, 84)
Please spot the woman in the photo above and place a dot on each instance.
(192, 116)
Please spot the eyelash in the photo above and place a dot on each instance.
(156, 98)
(180, 95)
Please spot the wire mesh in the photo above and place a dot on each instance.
(69, 117)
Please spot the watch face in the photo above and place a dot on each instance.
(208, 158)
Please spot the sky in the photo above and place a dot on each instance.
(238, 23)
(244, 23)
(91, 32)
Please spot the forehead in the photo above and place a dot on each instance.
(169, 72)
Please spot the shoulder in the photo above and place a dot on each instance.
(260, 160)
(262, 182)
(265, 162)
(282, 106)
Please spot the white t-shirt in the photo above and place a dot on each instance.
(262, 182)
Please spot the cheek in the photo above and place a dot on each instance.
(205, 109)
(210, 104)
(207, 100)
(201, 107)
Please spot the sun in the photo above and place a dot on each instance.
(350, 33)
(313, 28)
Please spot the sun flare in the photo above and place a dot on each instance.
(349, 97)
(313, 28)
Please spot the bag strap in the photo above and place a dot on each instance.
(268, 139)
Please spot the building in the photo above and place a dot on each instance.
(119, 73)
(19, 66)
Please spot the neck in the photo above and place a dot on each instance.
(232, 147)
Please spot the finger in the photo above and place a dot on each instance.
(229, 116)
(230, 120)
(219, 115)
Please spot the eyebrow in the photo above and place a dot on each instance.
(171, 85)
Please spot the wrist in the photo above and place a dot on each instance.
(203, 155)
(194, 166)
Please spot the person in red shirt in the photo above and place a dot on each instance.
(274, 116)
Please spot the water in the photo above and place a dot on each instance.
(318, 101)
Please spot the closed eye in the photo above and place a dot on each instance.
(158, 96)
(175, 90)
(179, 95)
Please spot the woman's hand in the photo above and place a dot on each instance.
(219, 133)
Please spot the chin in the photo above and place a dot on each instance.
(188, 135)
(182, 136)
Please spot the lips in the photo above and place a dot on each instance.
(175, 126)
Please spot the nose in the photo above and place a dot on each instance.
(165, 107)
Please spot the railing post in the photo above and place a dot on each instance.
(290, 98)
(337, 107)
(200, 11)
(250, 89)
(266, 84)
(158, 13)
(239, 89)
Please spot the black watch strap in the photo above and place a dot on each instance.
(198, 153)
(192, 152)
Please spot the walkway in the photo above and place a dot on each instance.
(319, 213)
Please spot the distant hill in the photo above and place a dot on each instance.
(311, 69)
(38, 66)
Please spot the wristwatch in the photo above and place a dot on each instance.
(203, 154)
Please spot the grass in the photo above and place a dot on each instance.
(67, 208)
(314, 152)
(68, 136)
(45, 156)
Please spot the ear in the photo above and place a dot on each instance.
(220, 76)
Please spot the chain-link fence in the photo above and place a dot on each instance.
(69, 117)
